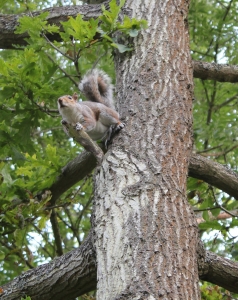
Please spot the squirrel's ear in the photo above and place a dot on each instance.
(75, 96)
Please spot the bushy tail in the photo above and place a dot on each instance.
(97, 87)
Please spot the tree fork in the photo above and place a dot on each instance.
(212, 268)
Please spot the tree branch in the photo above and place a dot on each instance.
(8, 23)
(74, 274)
(56, 231)
(66, 277)
(200, 167)
(213, 71)
(218, 270)
(9, 40)
(73, 172)
(214, 174)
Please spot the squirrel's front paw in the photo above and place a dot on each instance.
(119, 126)
(78, 126)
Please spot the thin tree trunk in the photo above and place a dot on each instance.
(145, 232)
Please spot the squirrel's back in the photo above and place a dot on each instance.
(97, 87)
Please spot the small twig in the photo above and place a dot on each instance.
(57, 206)
(46, 110)
(56, 232)
(235, 97)
(205, 209)
(56, 48)
(44, 236)
(96, 62)
(62, 70)
(222, 153)
(73, 227)
(220, 206)
(83, 210)
(209, 149)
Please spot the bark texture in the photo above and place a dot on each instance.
(145, 232)
(200, 167)
(215, 174)
(212, 268)
(8, 23)
(65, 277)
(217, 269)
(213, 71)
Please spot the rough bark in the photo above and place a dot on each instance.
(145, 232)
(215, 174)
(200, 167)
(213, 71)
(8, 23)
(212, 268)
(217, 270)
(65, 277)
(142, 206)
(9, 40)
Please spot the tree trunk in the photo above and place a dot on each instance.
(145, 234)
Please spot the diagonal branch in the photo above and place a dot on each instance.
(73, 172)
(200, 167)
(56, 232)
(66, 277)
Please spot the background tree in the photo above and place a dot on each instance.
(32, 80)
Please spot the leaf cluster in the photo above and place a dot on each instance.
(33, 146)
(213, 39)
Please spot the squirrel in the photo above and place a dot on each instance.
(97, 115)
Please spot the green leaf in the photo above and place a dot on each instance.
(205, 215)
(210, 225)
(2, 255)
(215, 212)
(121, 48)
(42, 222)
(133, 32)
(32, 25)
(19, 235)
(52, 155)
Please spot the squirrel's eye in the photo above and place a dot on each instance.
(69, 97)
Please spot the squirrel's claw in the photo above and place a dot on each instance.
(64, 122)
(119, 126)
(78, 126)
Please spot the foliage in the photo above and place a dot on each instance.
(26, 298)
(33, 146)
(214, 292)
(213, 35)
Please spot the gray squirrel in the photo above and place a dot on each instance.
(97, 115)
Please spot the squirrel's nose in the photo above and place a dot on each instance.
(60, 101)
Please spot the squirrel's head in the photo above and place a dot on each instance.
(67, 101)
